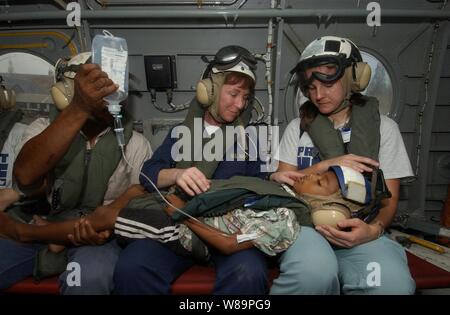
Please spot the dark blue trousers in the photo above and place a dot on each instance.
(148, 267)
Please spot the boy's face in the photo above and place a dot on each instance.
(322, 185)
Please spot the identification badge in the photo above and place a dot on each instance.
(346, 133)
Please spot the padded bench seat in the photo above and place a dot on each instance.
(197, 280)
(200, 280)
(426, 275)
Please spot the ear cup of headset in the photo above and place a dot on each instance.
(62, 93)
(12, 97)
(7, 98)
(3, 100)
(362, 74)
(209, 89)
(205, 92)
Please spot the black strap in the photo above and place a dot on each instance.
(379, 191)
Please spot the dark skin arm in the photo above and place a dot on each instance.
(102, 219)
(41, 153)
(225, 243)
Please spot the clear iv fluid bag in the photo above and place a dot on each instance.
(111, 53)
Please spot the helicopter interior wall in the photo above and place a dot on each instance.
(414, 51)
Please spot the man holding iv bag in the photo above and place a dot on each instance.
(75, 157)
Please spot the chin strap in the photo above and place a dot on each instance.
(214, 111)
(379, 191)
(345, 103)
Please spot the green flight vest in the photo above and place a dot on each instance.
(153, 200)
(81, 177)
(80, 183)
(197, 111)
(365, 137)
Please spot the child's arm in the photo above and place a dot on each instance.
(103, 218)
(225, 243)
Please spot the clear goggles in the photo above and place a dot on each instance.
(229, 56)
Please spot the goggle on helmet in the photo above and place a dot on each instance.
(233, 58)
(335, 52)
(67, 67)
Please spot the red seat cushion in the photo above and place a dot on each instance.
(426, 275)
(28, 286)
(200, 280)
(197, 280)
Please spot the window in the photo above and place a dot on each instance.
(380, 84)
(30, 76)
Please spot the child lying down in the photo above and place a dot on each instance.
(270, 224)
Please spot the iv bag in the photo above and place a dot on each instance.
(111, 53)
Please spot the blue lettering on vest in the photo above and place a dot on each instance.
(3, 169)
(306, 157)
(309, 151)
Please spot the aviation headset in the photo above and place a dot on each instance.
(339, 52)
(228, 59)
(65, 71)
(358, 197)
(7, 97)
